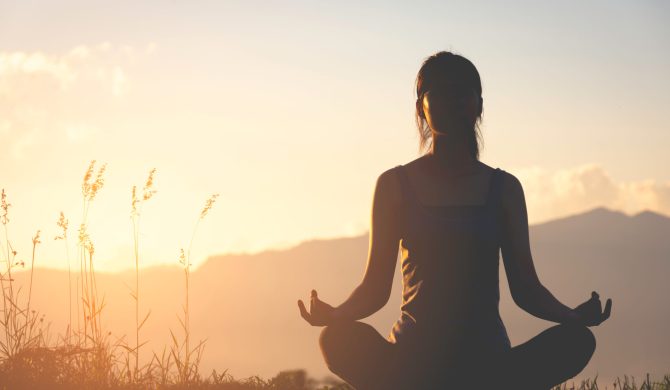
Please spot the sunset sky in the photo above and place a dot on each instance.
(291, 110)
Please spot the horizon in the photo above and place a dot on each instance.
(289, 247)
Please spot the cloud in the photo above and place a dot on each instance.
(553, 194)
(47, 98)
(98, 64)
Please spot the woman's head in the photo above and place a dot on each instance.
(449, 100)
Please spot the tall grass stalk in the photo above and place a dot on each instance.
(92, 309)
(94, 355)
(137, 204)
(36, 240)
(188, 362)
(63, 225)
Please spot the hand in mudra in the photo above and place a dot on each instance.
(591, 312)
(319, 314)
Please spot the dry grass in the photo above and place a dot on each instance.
(628, 383)
(22, 327)
(137, 204)
(87, 355)
(185, 358)
(63, 225)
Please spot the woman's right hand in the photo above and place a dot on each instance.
(320, 313)
(590, 313)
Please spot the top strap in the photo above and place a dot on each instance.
(492, 197)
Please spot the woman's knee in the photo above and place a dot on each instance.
(554, 356)
(582, 342)
(333, 340)
(344, 332)
(332, 335)
(345, 342)
(584, 338)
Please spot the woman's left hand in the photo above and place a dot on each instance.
(319, 314)
(591, 312)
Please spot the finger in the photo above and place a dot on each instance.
(597, 304)
(608, 309)
(313, 302)
(594, 295)
(303, 312)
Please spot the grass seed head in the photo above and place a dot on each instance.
(83, 234)
(86, 186)
(90, 248)
(148, 190)
(182, 257)
(36, 239)
(62, 223)
(208, 205)
(98, 183)
(5, 208)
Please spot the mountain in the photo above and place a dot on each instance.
(245, 304)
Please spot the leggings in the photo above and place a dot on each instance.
(363, 358)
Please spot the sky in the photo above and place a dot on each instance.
(291, 110)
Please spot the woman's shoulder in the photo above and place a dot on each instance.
(413, 164)
(388, 186)
(511, 190)
(508, 180)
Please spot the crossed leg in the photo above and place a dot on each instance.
(548, 359)
(362, 357)
(358, 354)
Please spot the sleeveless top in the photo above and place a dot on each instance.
(450, 257)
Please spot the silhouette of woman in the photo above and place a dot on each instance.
(449, 215)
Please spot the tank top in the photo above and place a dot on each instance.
(450, 258)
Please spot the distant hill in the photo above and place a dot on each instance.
(245, 305)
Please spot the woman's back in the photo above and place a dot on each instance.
(450, 334)
(450, 260)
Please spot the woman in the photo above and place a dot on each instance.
(451, 214)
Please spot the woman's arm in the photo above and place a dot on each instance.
(527, 290)
(375, 289)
